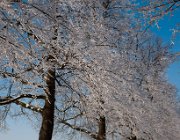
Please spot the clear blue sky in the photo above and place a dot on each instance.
(166, 24)
(21, 130)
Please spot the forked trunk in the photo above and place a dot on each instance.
(46, 130)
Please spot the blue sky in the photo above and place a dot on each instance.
(22, 130)
(165, 32)
(19, 130)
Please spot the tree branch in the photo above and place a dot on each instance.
(79, 129)
(9, 99)
(28, 106)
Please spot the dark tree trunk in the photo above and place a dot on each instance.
(102, 129)
(46, 130)
(132, 138)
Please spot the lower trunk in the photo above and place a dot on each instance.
(102, 129)
(46, 130)
(132, 138)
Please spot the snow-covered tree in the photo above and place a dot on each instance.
(84, 66)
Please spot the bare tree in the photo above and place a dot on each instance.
(83, 66)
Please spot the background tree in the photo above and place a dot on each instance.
(86, 61)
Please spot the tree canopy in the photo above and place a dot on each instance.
(89, 67)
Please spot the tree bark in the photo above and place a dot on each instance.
(102, 129)
(46, 130)
(132, 138)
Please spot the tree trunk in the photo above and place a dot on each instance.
(46, 130)
(102, 129)
(132, 138)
